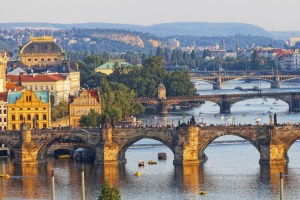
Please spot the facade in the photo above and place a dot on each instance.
(41, 51)
(30, 107)
(108, 67)
(81, 105)
(3, 63)
(57, 84)
(3, 111)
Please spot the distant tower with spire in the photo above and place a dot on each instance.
(236, 47)
(223, 44)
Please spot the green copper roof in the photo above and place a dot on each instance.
(14, 96)
(111, 64)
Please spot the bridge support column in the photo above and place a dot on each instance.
(186, 151)
(217, 86)
(107, 152)
(274, 152)
(163, 108)
(276, 83)
(225, 105)
(26, 153)
(295, 104)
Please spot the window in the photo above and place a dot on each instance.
(4, 119)
(35, 59)
(42, 59)
(49, 59)
(44, 117)
(29, 59)
(0, 119)
(37, 117)
(26, 98)
(36, 87)
(28, 108)
(28, 117)
(29, 98)
(30, 87)
(13, 127)
(0, 111)
(55, 59)
(47, 88)
(44, 108)
(4, 111)
(13, 117)
(36, 108)
(21, 117)
(44, 125)
(51, 87)
(21, 108)
(41, 87)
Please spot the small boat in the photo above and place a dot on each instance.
(271, 107)
(202, 192)
(64, 156)
(244, 114)
(137, 173)
(162, 156)
(222, 117)
(141, 163)
(200, 113)
(152, 162)
(215, 104)
(275, 102)
(4, 176)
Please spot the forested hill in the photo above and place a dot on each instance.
(162, 30)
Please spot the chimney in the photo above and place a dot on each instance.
(20, 79)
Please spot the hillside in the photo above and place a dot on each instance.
(166, 29)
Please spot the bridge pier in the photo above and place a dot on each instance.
(27, 152)
(163, 108)
(186, 150)
(295, 103)
(217, 86)
(225, 105)
(107, 151)
(275, 84)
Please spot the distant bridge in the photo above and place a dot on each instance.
(218, 80)
(225, 101)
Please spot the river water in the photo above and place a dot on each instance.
(231, 172)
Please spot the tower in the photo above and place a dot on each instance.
(161, 92)
(3, 64)
(236, 47)
(223, 44)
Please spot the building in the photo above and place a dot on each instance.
(294, 40)
(3, 63)
(108, 67)
(41, 51)
(30, 107)
(81, 105)
(57, 84)
(3, 111)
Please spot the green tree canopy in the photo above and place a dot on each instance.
(60, 111)
(92, 119)
(109, 193)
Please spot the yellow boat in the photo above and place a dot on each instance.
(64, 156)
(137, 173)
(151, 162)
(4, 175)
(202, 192)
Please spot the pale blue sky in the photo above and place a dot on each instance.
(269, 14)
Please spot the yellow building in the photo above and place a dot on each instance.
(41, 51)
(3, 63)
(32, 107)
(81, 105)
(3, 111)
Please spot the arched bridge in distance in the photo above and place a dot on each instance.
(218, 80)
(225, 101)
(187, 142)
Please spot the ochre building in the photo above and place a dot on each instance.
(81, 105)
(31, 107)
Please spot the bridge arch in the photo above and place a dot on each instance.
(204, 145)
(7, 144)
(42, 152)
(130, 142)
(289, 144)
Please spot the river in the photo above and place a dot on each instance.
(231, 172)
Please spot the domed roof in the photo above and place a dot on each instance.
(43, 44)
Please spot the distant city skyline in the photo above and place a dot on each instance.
(272, 15)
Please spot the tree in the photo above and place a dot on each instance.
(109, 193)
(60, 111)
(92, 119)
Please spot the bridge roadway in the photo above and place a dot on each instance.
(225, 101)
(187, 142)
(218, 80)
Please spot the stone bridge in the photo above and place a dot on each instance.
(225, 101)
(218, 81)
(187, 142)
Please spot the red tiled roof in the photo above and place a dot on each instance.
(11, 86)
(3, 96)
(37, 78)
(277, 51)
(94, 93)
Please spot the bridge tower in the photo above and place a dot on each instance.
(26, 153)
(162, 95)
(217, 85)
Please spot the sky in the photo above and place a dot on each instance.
(272, 15)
